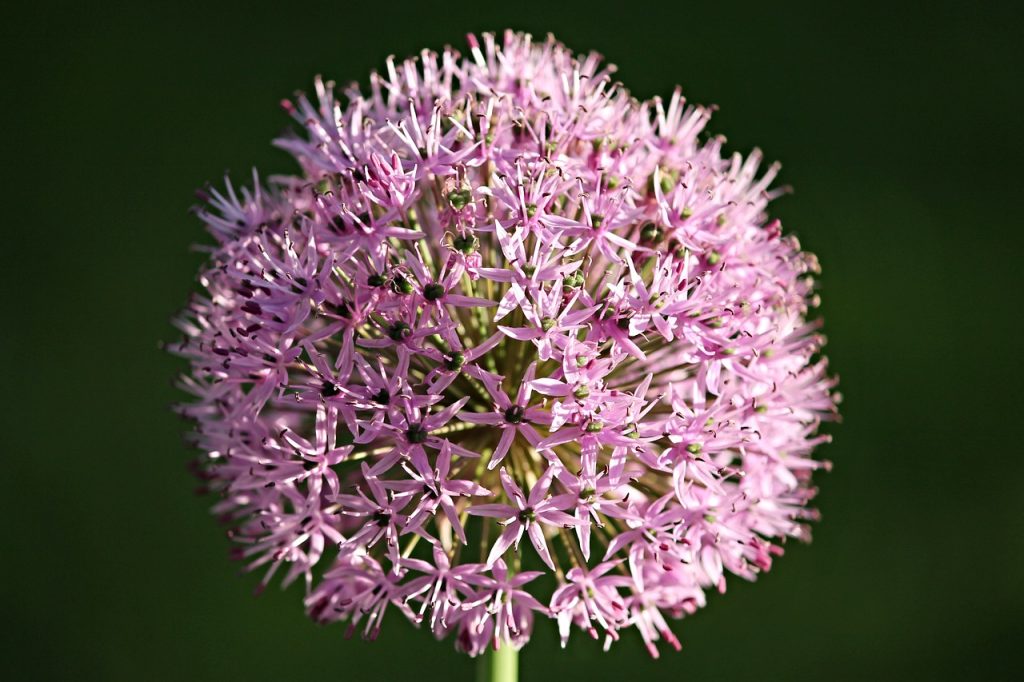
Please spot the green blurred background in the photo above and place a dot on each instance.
(901, 132)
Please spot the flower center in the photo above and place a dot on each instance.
(399, 331)
(515, 414)
(433, 291)
(416, 434)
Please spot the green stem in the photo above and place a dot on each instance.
(499, 666)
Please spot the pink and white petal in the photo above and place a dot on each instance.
(453, 519)
(511, 489)
(468, 301)
(507, 436)
(484, 347)
(495, 274)
(553, 517)
(552, 387)
(583, 536)
(510, 536)
(537, 538)
(498, 511)
(521, 333)
(490, 418)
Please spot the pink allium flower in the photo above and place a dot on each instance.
(511, 345)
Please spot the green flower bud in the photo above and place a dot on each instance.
(460, 198)
(466, 245)
(650, 233)
(400, 285)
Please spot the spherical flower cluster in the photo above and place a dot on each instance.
(513, 344)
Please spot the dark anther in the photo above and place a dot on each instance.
(329, 389)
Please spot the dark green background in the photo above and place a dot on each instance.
(901, 132)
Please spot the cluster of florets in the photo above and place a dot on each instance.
(512, 344)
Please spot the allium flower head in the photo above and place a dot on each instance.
(512, 345)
